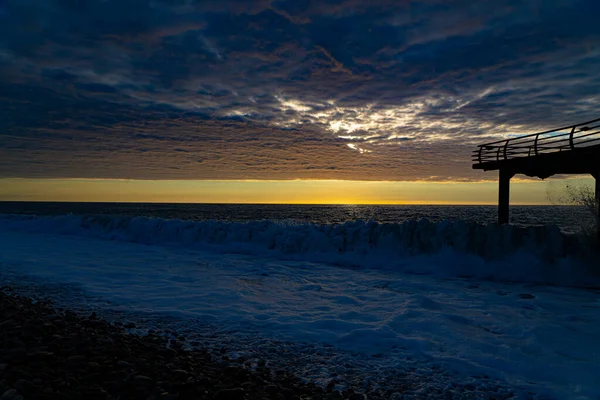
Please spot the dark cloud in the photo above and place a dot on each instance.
(347, 89)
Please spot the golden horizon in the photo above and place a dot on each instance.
(308, 192)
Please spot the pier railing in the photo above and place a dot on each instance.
(556, 140)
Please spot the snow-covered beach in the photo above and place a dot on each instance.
(447, 309)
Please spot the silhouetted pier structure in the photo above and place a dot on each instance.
(573, 149)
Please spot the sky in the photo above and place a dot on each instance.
(289, 191)
(236, 99)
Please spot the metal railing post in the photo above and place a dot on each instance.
(571, 143)
(535, 147)
(480, 148)
(498, 154)
(505, 148)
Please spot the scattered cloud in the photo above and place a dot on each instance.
(349, 89)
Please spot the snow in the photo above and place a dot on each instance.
(532, 338)
(447, 249)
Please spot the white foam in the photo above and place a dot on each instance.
(507, 253)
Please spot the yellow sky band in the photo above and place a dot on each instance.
(290, 192)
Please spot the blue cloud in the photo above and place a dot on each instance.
(348, 89)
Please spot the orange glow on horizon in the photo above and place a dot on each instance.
(271, 192)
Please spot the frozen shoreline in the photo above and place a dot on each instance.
(50, 352)
(384, 324)
(333, 370)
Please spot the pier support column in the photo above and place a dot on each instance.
(504, 196)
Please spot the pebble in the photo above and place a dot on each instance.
(109, 354)
(78, 359)
(231, 394)
(142, 380)
(179, 373)
(271, 389)
(11, 394)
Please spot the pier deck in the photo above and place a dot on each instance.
(573, 149)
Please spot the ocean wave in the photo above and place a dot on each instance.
(449, 249)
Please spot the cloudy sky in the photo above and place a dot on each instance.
(380, 90)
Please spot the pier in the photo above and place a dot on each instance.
(573, 149)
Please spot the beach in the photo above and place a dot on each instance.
(52, 353)
(380, 318)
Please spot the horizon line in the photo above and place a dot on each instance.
(490, 204)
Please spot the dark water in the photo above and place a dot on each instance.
(567, 218)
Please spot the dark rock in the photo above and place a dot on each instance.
(73, 356)
(205, 381)
(356, 396)
(23, 386)
(11, 394)
(526, 296)
(233, 371)
(272, 389)
(330, 385)
(40, 354)
(179, 373)
(59, 323)
(111, 385)
(142, 380)
(21, 374)
(95, 377)
(93, 365)
(230, 394)
(77, 361)
(289, 394)
(15, 353)
(168, 353)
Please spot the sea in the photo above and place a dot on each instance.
(569, 219)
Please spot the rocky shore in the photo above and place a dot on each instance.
(51, 353)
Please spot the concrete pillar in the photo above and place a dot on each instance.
(504, 196)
